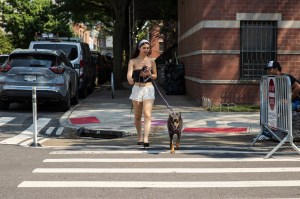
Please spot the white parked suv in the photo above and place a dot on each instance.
(49, 70)
(80, 56)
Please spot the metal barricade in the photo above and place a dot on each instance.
(276, 110)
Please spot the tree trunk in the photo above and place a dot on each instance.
(119, 38)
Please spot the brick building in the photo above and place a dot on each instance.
(224, 45)
(156, 41)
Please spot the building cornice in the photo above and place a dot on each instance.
(236, 23)
(232, 52)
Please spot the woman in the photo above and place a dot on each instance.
(141, 72)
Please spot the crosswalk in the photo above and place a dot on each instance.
(60, 171)
(25, 130)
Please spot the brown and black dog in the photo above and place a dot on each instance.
(175, 124)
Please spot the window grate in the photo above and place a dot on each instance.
(258, 45)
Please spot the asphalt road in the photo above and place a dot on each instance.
(28, 172)
(118, 168)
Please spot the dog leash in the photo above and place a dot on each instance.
(168, 106)
(155, 85)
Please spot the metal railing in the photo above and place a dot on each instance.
(276, 110)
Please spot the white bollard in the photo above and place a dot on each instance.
(34, 115)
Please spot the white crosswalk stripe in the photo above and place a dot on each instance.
(49, 131)
(168, 160)
(69, 165)
(167, 151)
(28, 133)
(167, 170)
(28, 142)
(5, 120)
(165, 184)
(25, 138)
(59, 131)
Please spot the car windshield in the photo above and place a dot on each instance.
(3, 59)
(32, 60)
(70, 50)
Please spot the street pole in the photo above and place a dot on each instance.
(34, 117)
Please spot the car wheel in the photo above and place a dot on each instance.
(66, 103)
(74, 99)
(4, 105)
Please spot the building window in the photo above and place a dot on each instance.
(258, 45)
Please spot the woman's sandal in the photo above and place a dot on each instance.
(140, 143)
(146, 144)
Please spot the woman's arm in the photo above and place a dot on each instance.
(154, 70)
(129, 72)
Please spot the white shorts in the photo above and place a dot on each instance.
(142, 93)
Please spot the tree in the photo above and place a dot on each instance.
(114, 15)
(121, 40)
(5, 44)
(23, 18)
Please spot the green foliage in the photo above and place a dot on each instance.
(235, 108)
(111, 17)
(5, 43)
(23, 18)
(92, 13)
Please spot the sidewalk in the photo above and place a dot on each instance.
(115, 115)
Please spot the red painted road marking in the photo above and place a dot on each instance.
(84, 120)
(216, 130)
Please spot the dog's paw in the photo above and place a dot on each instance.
(172, 152)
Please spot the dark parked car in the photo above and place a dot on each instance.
(80, 56)
(104, 64)
(49, 70)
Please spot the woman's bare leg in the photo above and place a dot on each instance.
(138, 108)
(147, 106)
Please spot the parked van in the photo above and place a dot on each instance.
(80, 56)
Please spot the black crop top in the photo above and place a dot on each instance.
(137, 78)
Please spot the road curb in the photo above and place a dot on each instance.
(102, 133)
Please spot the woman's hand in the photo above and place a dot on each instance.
(146, 72)
(131, 81)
